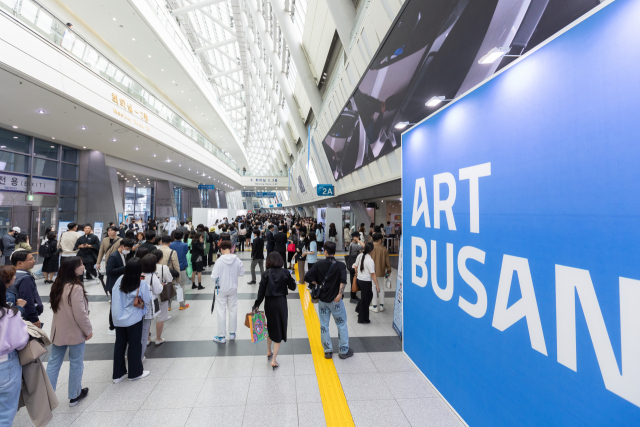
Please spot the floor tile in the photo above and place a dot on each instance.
(238, 366)
(369, 386)
(224, 392)
(96, 371)
(158, 367)
(311, 415)
(174, 394)
(429, 412)
(392, 362)
(303, 364)
(231, 416)
(262, 366)
(379, 413)
(189, 367)
(95, 390)
(272, 415)
(273, 390)
(125, 396)
(307, 390)
(360, 363)
(104, 419)
(408, 385)
(174, 417)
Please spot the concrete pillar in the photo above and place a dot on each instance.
(99, 197)
(165, 203)
(297, 55)
(360, 211)
(343, 13)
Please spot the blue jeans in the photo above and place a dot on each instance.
(76, 367)
(325, 310)
(10, 384)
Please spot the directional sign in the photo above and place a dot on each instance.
(325, 190)
(279, 205)
(206, 187)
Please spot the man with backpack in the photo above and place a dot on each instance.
(8, 244)
(25, 286)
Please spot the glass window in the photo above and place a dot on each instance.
(14, 141)
(69, 171)
(70, 155)
(67, 217)
(67, 204)
(68, 188)
(45, 149)
(44, 167)
(14, 162)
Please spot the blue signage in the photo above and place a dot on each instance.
(265, 194)
(520, 236)
(206, 187)
(325, 190)
(270, 206)
(279, 205)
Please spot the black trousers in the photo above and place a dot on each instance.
(283, 254)
(90, 270)
(111, 325)
(131, 335)
(366, 288)
(210, 256)
(241, 244)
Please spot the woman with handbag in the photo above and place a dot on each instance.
(163, 272)
(242, 237)
(70, 327)
(13, 337)
(273, 290)
(365, 278)
(129, 302)
(153, 311)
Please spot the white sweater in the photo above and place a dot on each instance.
(227, 268)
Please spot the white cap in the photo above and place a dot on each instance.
(16, 229)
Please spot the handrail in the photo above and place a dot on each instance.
(44, 23)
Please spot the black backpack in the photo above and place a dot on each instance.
(43, 250)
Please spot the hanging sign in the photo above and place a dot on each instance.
(325, 190)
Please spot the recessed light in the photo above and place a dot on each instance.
(53, 146)
(136, 148)
(83, 128)
(133, 39)
(84, 147)
(114, 19)
(15, 127)
(15, 137)
(149, 56)
(162, 70)
(41, 111)
(180, 165)
(154, 155)
(114, 140)
(52, 138)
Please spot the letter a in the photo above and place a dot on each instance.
(420, 208)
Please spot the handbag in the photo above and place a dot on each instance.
(168, 291)
(291, 247)
(258, 326)
(175, 274)
(32, 351)
(316, 290)
(137, 301)
(387, 282)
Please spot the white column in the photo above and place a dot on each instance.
(343, 13)
(294, 42)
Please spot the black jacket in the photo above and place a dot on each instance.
(257, 248)
(114, 269)
(151, 246)
(25, 288)
(197, 249)
(271, 241)
(274, 283)
(88, 255)
(280, 240)
(331, 287)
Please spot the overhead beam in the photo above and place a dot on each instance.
(239, 119)
(215, 45)
(220, 51)
(194, 6)
(224, 73)
(228, 110)
(233, 92)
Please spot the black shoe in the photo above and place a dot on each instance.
(364, 321)
(328, 355)
(83, 394)
(347, 355)
(354, 300)
(193, 286)
(200, 287)
(251, 283)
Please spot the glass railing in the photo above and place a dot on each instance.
(39, 20)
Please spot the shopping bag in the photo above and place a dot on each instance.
(258, 326)
(387, 282)
(179, 294)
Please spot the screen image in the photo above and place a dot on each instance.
(301, 185)
(433, 51)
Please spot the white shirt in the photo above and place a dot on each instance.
(369, 268)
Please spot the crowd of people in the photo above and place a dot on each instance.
(147, 268)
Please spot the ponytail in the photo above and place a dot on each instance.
(367, 250)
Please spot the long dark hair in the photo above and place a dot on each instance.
(367, 250)
(66, 275)
(131, 279)
(21, 237)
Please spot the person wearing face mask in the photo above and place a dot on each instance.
(70, 327)
(115, 269)
(109, 245)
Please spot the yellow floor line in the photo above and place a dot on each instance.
(334, 402)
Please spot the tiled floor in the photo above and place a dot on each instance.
(195, 382)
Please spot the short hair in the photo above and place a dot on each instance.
(312, 236)
(158, 253)
(7, 272)
(281, 227)
(129, 234)
(377, 237)
(181, 222)
(270, 226)
(149, 263)
(127, 243)
(330, 247)
(150, 235)
(178, 235)
(51, 235)
(256, 231)
(112, 228)
(225, 244)
(72, 225)
(274, 260)
(166, 239)
(19, 256)
(87, 225)
(355, 234)
(141, 252)
(388, 222)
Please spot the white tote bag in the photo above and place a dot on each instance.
(179, 294)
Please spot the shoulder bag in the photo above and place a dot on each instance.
(138, 301)
(316, 290)
(175, 274)
(168, 291)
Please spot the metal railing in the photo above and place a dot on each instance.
(45, 24)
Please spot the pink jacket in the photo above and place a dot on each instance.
(71, 325)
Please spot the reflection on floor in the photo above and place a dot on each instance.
(196, 382)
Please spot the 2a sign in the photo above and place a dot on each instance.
(325, 190)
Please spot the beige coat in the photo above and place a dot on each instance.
(380, 257)
(71, 325)
(67, 242)
(105, 250)
(172, 263)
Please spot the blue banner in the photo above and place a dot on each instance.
(521, 213)
(206, 187)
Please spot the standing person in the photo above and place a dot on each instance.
(67, 242)
(301, 255)
(13, 337)
(273, 290)
(333, 233)
(8, 277)
(346, 235)
(312, 252)
(213, 243)
(242, 237)
(292, 246)
(257, 256)
(197, 260)
(163, 273)
(382, 261)
(108, 246)
(22, 242)
(149, 262)
(51, 260)
(181, 249)
(332, 276)
(225, 278)
(183, 228)
(365, 277)
(149, 241)
(233, 235)
(9, 244)
(271, 241)
(25, 287)
(355, 247)
(70, 327)
(388, 229)
(122, 230)
(114, 269)
(319, 236)
(128, 321)
(88, 247)
(280, 242)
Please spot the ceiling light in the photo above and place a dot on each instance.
(83, 128)
(402, 125)
(149, 56)
(435, 100)
(114, 140)
(41, 111)
(162, 69)
(52, 138)
(114, 19)
(168, 160)
(53, 146)
(154, 155)
(493, 55)
(15, 127)
(84, 147)
(136, 148)
(15, 137)
(133, 39)
(180, 165)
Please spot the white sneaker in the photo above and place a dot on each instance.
(144, 374)
(117, 380)
(220, 340)
(110, 332)
(232, 336)
(144, 359)
(374, 309)
(381, 307)
(160, 342)
(168, 317)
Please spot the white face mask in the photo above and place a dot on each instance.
(79, 271)
(125, 252)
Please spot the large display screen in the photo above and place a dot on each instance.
(431, 54)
